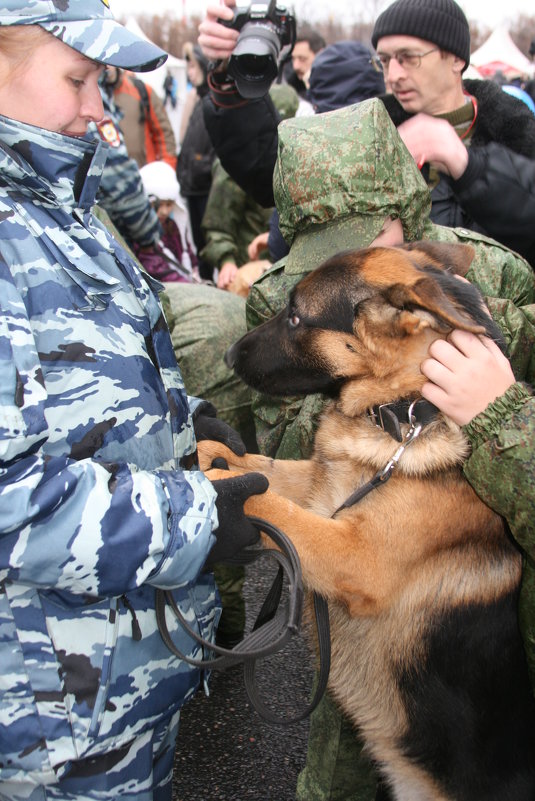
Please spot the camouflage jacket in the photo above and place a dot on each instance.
(100, 501)
(231, 221)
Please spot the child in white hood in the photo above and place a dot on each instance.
(174, 258)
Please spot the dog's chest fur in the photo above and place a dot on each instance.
(371, 653)
(344, 461)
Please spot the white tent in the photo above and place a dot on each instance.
(472, 73)
(500, 54)
(155, 79)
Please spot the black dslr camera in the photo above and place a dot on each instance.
(266, 40)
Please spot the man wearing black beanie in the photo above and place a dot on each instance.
(474, 143)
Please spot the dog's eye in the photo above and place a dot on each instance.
(294, 320)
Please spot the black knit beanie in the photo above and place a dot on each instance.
(441, 22)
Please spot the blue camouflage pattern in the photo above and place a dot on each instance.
(100, 498)
(89, 27)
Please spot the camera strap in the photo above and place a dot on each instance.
(223, 91)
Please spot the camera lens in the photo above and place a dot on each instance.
(253, 65)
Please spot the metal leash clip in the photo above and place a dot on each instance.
(410, 436)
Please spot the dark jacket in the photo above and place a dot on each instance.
(245, 140)
(194, 167)
(496, 194)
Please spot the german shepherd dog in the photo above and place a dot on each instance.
(421, 577)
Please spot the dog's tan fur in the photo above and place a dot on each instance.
(409, 552)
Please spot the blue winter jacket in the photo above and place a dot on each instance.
(100, 501)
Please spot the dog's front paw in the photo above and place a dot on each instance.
(209, 449)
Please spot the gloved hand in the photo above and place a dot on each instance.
(234, 531)
(207, 426)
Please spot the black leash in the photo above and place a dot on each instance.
(273, 628)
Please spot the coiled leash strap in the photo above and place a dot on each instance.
(273, 628)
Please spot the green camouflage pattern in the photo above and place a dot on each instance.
(231, 221)
(89, 27)
(204, 322)
(318, 180)
(502, 471)
(230, 580)
(286, 427)
(352, 183)
(336, 768)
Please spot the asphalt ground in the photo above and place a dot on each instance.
(225, 750)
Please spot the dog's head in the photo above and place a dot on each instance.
(368, 315)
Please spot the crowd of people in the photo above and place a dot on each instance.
(131, 259)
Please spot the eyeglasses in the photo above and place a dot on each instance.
(404, 58)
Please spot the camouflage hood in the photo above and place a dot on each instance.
(338, 176)
(52, 168)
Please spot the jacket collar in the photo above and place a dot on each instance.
(56, 169)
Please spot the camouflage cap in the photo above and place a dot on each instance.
(338, 176)
(89, 27)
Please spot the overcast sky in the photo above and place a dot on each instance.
(485, 12)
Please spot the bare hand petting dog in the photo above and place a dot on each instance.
(436, 142)
(234, 530)
(466, 373)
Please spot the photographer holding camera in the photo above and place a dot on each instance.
(249, 48)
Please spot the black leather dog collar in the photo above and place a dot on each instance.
(390, 416)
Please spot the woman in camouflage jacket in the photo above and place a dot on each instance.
(100, 499)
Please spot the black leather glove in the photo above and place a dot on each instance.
(207, 426)
(234, 531)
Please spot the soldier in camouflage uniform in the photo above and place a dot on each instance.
(100, 499)
(120, 190)
(338, 177)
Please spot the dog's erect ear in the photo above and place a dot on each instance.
(455, 258)
(427, 294)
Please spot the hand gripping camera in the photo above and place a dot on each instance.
(266, 40)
